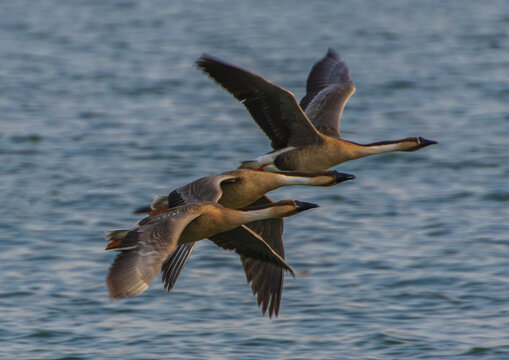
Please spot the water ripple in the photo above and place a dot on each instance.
(103, 109)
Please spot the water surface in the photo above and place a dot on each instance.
(102, 109)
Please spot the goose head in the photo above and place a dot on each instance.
(340, 177)
(281, 208)
(301, 206)
(415, 143)
(425, 142)
(330, 178)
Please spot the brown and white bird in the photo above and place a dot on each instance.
(304, 137)
(237, 189)
(147, 245)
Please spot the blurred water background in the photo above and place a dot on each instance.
(101, 108)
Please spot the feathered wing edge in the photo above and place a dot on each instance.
(273, 108)
(142, 252)
(266, 278)
(328, 88)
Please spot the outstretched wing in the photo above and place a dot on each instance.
(247, 243)
(143, 250)
(207, 189)
(266, 278)
(328, 88)
(204, 189)
(273, 108)
(174, 264)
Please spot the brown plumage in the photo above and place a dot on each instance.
(148, 244)
(238, 189)
(304, 141)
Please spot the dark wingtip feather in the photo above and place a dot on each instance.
(173, 266)
(258, 95)
(202, 60)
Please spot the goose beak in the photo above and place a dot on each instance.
(340, 177)
(302, 206)
(425, 142)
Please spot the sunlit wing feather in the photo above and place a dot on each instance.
(328, 88)
(143, 250)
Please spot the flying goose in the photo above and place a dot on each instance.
(302, 141)
(238, 189)
(242, 187)
(146, 246)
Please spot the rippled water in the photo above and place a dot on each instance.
(102, 108)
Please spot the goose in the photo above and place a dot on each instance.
(242, 187)
(304, 137)
(145, 247)
(237, 189)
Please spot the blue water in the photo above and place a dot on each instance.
(101, 108)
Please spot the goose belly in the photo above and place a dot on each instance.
(247, 190)
(205, 226)
(239, 196)
(307, 159)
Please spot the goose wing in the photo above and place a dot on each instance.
(207, 188)
(175, 263)
(273, 108)
(328, 88)
(247, 243)
(204, 189)
(143, 250)
(266, 278)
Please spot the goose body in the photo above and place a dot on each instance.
(237, 189)
(328, 153)
(146, 246)
(305, 137)
(242, 187)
